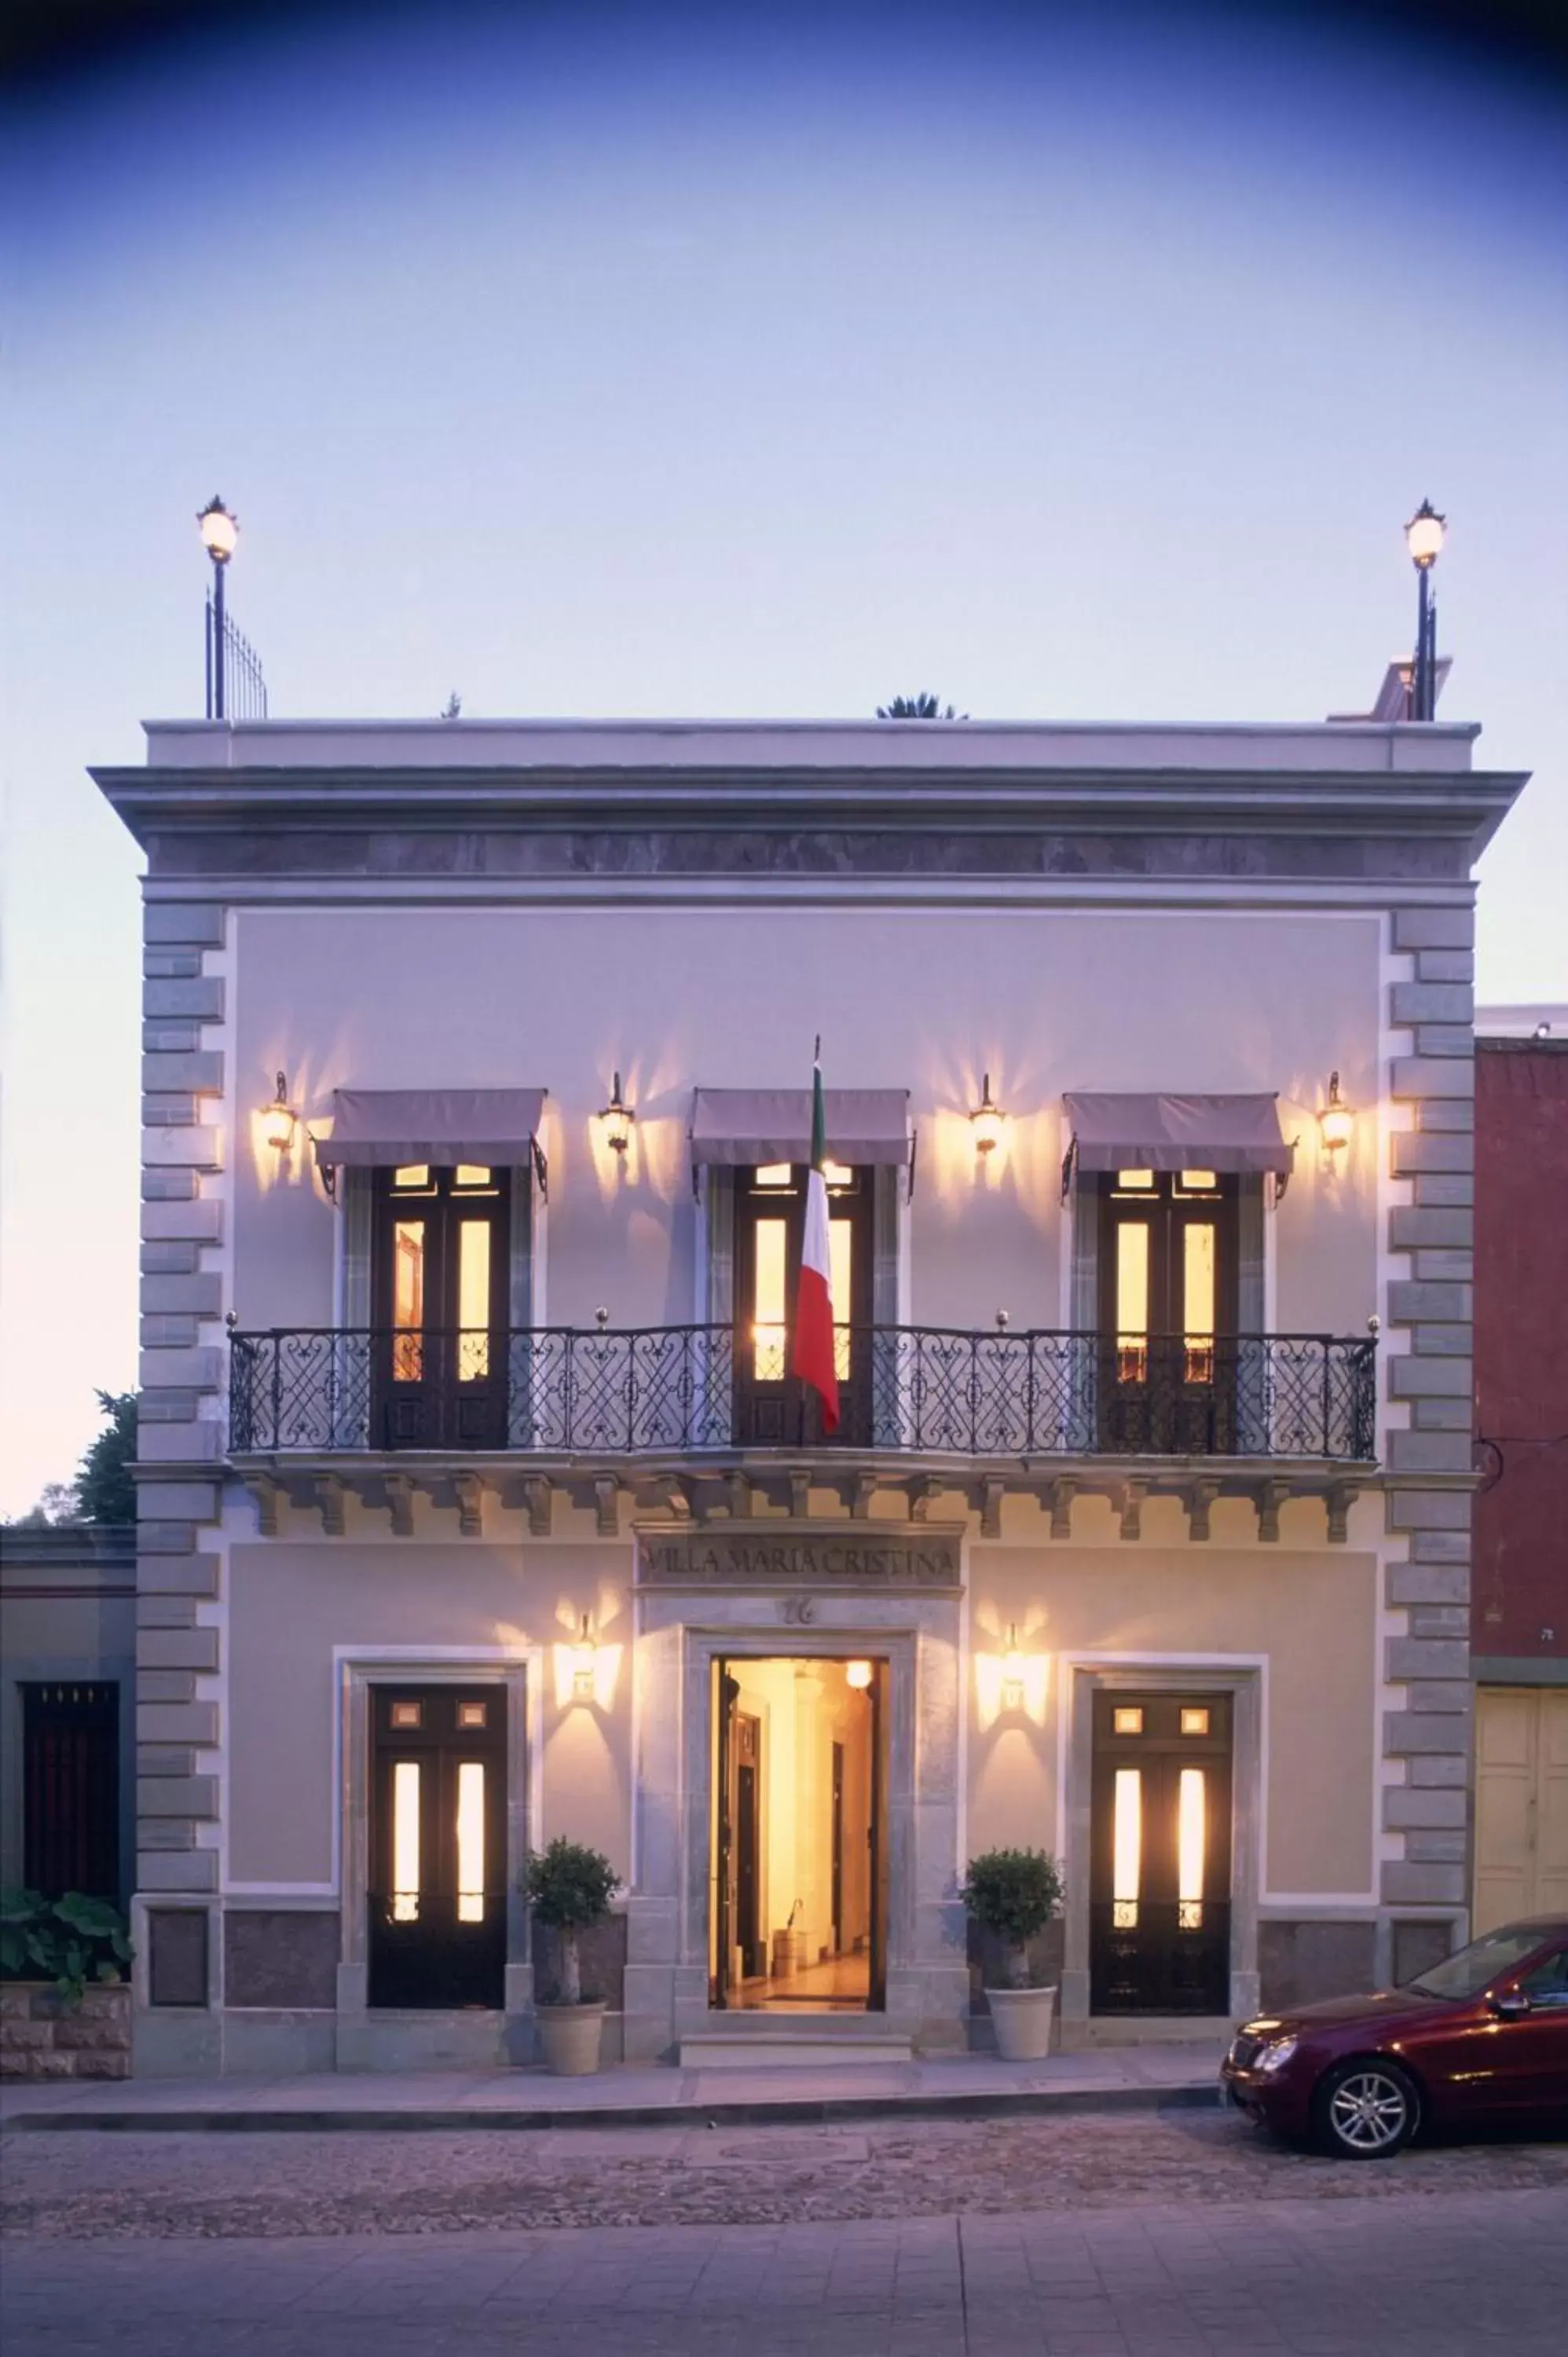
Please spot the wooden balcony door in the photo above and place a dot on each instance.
(440, 1284)
(771, 1410)
(1167, 1312)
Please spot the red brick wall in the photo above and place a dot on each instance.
(1519, 1588)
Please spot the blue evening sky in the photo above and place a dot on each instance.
(763, 360)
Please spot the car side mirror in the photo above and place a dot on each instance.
(1511, 2006)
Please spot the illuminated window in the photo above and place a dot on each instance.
(838, 1176)
(474, 1298)
(768, 1301)
(1128, 1848)
(407, 1713)
(412, 1174)
(1191, 1832)
(1128, 1721)
(774, 1175)
(1197, 1182)
(408, 1301)
(472, 1174)
(472, 1714)
(1198, 1279)
(1132, 1301)
(471, 1841)
(1128, 1179)
(841, 1262)
(405, 1841)
(1195, 1722)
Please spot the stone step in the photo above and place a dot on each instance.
(791, 2045)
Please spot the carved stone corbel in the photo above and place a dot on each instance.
(800, 1492)
(738, 1490)
(861, 1496)
(991, 1506)
(1271, 1496)
(1340, 1501)
(606, 1491)
(923, 1495)
(539, 1497)
(1063, 1490)
(1133, 1496)
(400, 1498)
(675, 1495)
(330, 1497)
(269, 1496)
(470, 1492)
(1199, 1498)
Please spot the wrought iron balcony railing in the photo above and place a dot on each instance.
(671, 1390)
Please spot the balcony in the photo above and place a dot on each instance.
(560, 1394)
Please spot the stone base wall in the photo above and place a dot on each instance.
(44, 2036)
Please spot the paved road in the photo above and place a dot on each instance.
(1403, 2277)
(1181, 2235)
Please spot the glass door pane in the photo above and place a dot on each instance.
(1197, 1301)
(771, 1300)
(473, 1300)
(1132, 1301)
(405, 1841)
(408, 1301)
(1127, 1847)
(471, 1841)
(1192, 1839)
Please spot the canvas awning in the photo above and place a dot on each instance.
(375, 1128)
(1176, 1133)
(734, 1127)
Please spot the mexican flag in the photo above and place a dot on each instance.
(813, 1353)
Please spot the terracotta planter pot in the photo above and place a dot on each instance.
(1023, 2022)
(570, 2035)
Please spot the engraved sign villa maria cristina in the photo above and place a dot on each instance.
(719, 1558)
(478, 1502)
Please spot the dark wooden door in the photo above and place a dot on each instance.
(1168, 1274)
(71, 1788)
(876, 1838)
(437, 1903)
(1160, 1854)
(440, 1285)
(772, 1409)
(837, 1866)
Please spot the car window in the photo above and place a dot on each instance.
(1547, 1986)
(1468, 1973)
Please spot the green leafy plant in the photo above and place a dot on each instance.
(569, 1889)
(68, 1941)
(923, 706)
(1013, 1894)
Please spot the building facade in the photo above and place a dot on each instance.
(477, 1505)
(1519, 1599)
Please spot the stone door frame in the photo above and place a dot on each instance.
(1242, 1676)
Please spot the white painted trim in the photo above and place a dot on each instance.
(1004, 895)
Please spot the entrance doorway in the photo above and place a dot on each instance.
(798, 1878)
(438, 1899)
(1160, 1854)
(1521, 1803)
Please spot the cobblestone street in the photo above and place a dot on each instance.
(1171, 2233)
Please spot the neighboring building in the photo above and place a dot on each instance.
(67, 1656)
(495, 1515)
(1519, 1606)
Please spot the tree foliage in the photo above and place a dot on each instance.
(922, 706)
(105, 1490)
(569, 1889)
(1013, 1893)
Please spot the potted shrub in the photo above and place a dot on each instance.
(569, 1889)
(1013, 1894)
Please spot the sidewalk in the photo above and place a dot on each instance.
(964, 2086)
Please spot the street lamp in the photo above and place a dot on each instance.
(1424, 537)
(219, 533)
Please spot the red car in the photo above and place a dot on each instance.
(1482, 2039)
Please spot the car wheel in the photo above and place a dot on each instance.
(1365, 2110)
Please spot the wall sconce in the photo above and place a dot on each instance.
(1012, 1671)
(858, 1675)
(618, 1117)
(585, 1656)
(1335, 1121)
(278, 1119)
(986, 1120)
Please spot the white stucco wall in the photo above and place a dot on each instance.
(920, 999)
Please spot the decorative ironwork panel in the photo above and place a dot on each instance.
(918, 1389)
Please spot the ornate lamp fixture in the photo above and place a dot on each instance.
(986, 1120)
